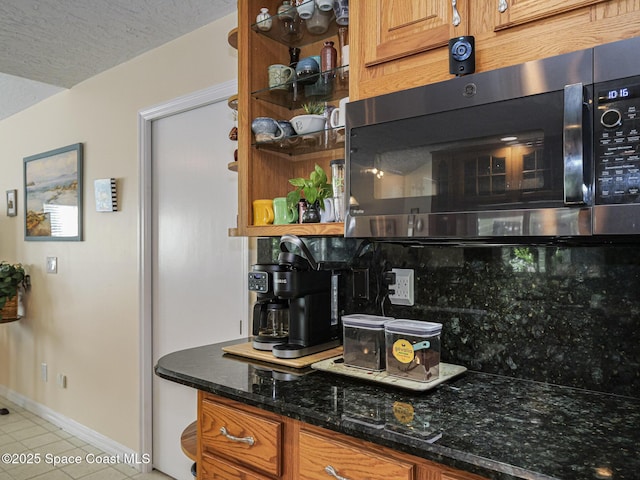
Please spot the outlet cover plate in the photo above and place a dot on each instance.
(403, 288)
(52, 264)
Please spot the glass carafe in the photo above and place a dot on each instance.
(276, 324)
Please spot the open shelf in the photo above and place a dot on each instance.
(300, 37)
(292, 95)
(188, 441)
(313, 142)
(309, 229)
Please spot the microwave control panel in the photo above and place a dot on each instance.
(617, 142)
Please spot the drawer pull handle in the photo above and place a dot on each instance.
(247, 440)
(332, 471)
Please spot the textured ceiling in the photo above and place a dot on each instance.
(49, 45)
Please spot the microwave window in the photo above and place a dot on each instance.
(472, 168)
(502, 155)
(406, 173)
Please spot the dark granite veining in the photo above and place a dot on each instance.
(565, 315)
(499, 427)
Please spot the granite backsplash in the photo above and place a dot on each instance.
(568, 315)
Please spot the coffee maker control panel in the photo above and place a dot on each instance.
(259, 282)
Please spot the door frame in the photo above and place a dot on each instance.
(146, 117)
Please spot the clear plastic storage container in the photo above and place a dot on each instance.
(363, 341)
(413, 349)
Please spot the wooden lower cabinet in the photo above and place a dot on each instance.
(260, 445)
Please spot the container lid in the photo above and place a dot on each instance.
(413, 327)
(366, 321)
(337, 161)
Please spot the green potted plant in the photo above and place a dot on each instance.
(11, 277)
(313, 108)
(314, 189)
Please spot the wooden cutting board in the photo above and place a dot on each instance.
(246, 350)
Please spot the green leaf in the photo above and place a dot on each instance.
(292, 199)
(297, 182)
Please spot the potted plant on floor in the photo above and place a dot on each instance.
(314, 189)
(11, 278)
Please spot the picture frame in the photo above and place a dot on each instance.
(12, 203)
(53, 201)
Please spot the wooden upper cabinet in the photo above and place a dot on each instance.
(395, 29)
(520, 12)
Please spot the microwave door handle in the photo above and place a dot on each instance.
(573, 151)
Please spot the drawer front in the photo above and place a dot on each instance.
(247, 439)
(216, 469)
(318, 453)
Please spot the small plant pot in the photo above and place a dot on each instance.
(312, 213)
(304, 124)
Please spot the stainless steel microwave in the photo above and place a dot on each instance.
(548, 148)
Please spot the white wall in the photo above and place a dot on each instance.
(83, 322)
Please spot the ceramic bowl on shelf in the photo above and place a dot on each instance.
(307, 71)
(304, 124)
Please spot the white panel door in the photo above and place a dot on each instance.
(198, 273)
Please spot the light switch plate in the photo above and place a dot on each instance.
(52, 264)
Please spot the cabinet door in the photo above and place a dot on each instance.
(519, 12)
(322, 458)
(399, 28)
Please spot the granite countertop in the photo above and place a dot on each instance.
(495, 426)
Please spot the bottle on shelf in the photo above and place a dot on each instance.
(343, 44)
(263, 20)
(328, 58)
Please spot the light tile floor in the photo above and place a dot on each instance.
(22, 432)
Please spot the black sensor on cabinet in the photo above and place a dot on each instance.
(462, 55)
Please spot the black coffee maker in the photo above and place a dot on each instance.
(270, 313)
(307, 288)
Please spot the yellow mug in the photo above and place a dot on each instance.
(263, 212)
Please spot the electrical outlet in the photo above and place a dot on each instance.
(403, 288)
(62, 380)
(43, 372)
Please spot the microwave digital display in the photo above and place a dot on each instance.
(620, 93)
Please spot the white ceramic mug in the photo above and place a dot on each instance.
(306, 9)
(327, 214)
(325, 5)
(337, 119)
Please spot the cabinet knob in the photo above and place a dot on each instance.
(247, 440)
(332, 472)
(502, 6)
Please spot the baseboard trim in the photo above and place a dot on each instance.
(96, 439)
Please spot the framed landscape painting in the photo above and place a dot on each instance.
(53, 194)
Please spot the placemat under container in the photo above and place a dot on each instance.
(246, 350)
(336, 365)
